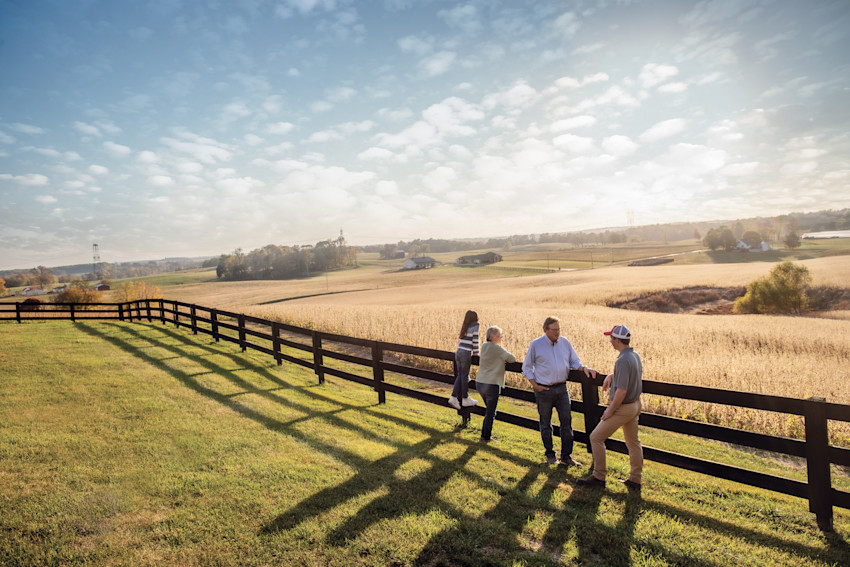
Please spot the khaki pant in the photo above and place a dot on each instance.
(626, 417)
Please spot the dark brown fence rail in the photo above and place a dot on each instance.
(288, 342)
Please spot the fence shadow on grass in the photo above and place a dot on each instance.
(481, 540)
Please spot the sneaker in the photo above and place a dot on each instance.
(469, 402)
(568, 462)
(631, 485)
(551, 460)
(591, 482)
(454, 402)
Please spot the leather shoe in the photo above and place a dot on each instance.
(551, 460)
(631, 485)
(591, 481)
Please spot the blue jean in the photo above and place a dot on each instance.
(559, 398)
(463, 359)
(490, 395)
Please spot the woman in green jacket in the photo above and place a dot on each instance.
(491, 376)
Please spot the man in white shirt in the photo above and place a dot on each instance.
(547, 365)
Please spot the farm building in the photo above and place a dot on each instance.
(101, 287)
(761, 247)
(32, 290)
(486, 258)
(419, 263)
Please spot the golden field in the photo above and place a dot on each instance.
(777, 355)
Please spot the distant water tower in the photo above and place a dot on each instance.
(95, 259)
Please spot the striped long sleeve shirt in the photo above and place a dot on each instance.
(470, 340)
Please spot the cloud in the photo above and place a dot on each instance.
(574, 144)
(415, 44)
(619, 145)
(462, 18)
(46, 199)
(203, 149)
(147, 156)
(653, 74)
(27, 180)
(26, 128)
(280, 128)
(161, 180)
(437, 64)
(116, 150)
(673, 88)
(87, 129)
(98, 169)
(664, 129)
(583, 121)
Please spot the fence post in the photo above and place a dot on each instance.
(241, 320)
(817, 461)
(18, 312)
(148, 308)
(194, 316)
(175, 313)
(120, 311)
(590, 398)
(378, 371)
(214, 319)
(73, 319)
(276, 342)
(317, 356)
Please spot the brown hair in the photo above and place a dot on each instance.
(468, 319)
(549, 321)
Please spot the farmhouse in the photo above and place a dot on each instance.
(32, 290)
(419, 263)
(760, 247)
(486, 258)
(101, 287)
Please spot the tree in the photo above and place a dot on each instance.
(42, 276)
(751, 238)
(720, 238)
(783, 291)
(2, 286)
(133, 291)
(697, 235)
(792, 240)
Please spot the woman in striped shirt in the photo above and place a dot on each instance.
(467, 347)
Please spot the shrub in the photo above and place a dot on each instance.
(78, 292)
(783, 291)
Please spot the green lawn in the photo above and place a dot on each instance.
(140, 444)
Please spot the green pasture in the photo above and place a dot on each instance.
(141, 444)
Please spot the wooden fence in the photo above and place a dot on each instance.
(286, 342)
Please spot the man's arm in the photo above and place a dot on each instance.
(528, 370)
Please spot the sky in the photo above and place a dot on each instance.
(166, 128)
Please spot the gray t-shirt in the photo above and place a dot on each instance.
(628, 376)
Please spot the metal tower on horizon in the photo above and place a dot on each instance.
(95, 259)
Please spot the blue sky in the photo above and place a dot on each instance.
(188, 127)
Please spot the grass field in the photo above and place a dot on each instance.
(139, 444)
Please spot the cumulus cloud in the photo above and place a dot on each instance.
(280, 128)
(27, 180)
(619, 145)
(664, 129)
(27, 128)
(98, 169)
(653, 74)
(116, 150)
(574, 144)
(87, 129)
(161, 180)
(572, 123)
(46, 199)
(437, 64)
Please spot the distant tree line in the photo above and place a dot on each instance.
(274, 262)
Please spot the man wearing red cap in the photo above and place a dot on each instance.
(623, 411)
